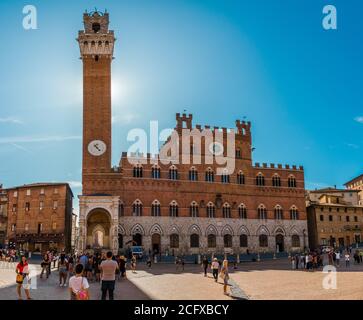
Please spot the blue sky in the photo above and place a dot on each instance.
(268, 60)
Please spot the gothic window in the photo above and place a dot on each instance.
(173, 209)
(173, 173)
(194, 209)
(225, 178)
(262, 212)
(211, 210)
(291, 182)
(227, 240)
(276, 181)
(242, 211)
(193, 174)
(240, 178)
(209, 175)
(260, 180)
(137, 171)
(263, 240)
(212, 241)
(194, 240)
(121, 210)
(238, 153)
(174, 240)
(294, 214)
(155, 209)
(295, 240)
(243, 241)
(279, 213)
(137, 208)
(226, 210)
(155, 172)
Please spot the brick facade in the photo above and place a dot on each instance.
(40, 216)
(275, 209)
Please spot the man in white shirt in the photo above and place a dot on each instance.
(215, 269)
(337, 258)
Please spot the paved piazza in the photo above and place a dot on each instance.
(257, 280)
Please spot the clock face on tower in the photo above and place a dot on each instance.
(97, 148)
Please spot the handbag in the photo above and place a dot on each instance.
(82, 293)
(19, 278)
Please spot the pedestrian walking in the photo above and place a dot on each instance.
(205, 264)
(108, 276)
(215, 269)
(148, 262)
(63, 270)
(78, 285)
(225, 276)
(337, 258)
(22, 278)
(133, 263)
(347, 259)
(45, 266)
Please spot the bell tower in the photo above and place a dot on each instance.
(96, 44)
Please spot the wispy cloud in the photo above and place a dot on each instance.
(32, 139)
(75, 184)
(352, 145)
(21, 148)
(124, 118)
(359, 119)
(11, 120)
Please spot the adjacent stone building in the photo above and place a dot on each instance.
(178, 207)
(356, 184)
(335, 217)
(40, 216)
(3, 216)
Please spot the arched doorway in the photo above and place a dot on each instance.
(98, 230)
(280, 243)
(155, 242)
(137, 239)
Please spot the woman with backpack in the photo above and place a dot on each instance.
(78, 285)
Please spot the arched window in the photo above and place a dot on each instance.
(238, 153)
(137, 208)
(291, 182)
(225, 177)
(121, 210)
(227, 239)
(226, 210)
(194, 212)
(212, 241)
(155, 209)
(295, 241)
(279, 215)
(173, 209)
(240, 178)
(294, 214)
(174, 240)
(211, 210)
(262, 212)
(155, 172)
(263, 240)
(209, 175)
(260, 180)
(243, 241)
(242, 211)
(173, 173)
(193, 174)
(276, 180)
(194, 240)
(137, 171)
